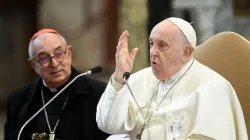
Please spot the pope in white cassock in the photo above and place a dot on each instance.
(176, 90)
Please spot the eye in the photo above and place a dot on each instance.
(151, 44)
(43, 58)
(58, 53)
(163, 46)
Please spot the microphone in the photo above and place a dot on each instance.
(126, 75)
(92, 71)
(95, 70)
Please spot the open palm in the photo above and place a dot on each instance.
(124, 59)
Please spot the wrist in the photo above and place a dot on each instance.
(118, 78)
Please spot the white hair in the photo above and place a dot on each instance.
(30, 50)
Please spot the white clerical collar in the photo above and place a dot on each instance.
(51, 89)
(179, 73)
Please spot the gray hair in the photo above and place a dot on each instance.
(30, 50)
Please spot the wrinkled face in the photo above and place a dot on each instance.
(52, 59)
(167, 51)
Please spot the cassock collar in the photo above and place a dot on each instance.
(179, 73)
(51, 89)
(77, 88)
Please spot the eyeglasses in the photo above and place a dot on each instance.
(45, 59)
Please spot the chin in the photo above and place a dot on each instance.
(155, 73)
(158, 74)
(59, 79)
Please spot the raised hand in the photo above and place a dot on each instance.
(124, 59)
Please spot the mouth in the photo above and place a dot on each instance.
(153, 63)
(55, 72)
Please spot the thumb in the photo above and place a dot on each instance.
(133, 53)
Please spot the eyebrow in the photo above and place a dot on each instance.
(150, 39)
(58, 47)
(162, 41)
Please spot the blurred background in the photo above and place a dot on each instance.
(93, 28)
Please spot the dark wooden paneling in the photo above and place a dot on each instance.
(111, 15)
(241, 7)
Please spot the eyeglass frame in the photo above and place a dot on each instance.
(51, 57)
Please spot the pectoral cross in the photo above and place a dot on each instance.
(51, 136)
(41, 136)
(138, 136)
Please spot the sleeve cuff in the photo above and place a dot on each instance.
(114, 84)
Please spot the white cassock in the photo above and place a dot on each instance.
(207, 101)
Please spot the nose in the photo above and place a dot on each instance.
(54, 62)
(153, 52)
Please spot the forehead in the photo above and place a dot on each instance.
(46, 43)
(164, 30)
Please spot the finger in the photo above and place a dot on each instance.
(122, 40)
(126, 34)
(125, 46)
(120, 43)
(133, 54)
(120, 47)
(121, 51)
(122, 37)
(124, 50)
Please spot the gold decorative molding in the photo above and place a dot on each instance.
(133, 17)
